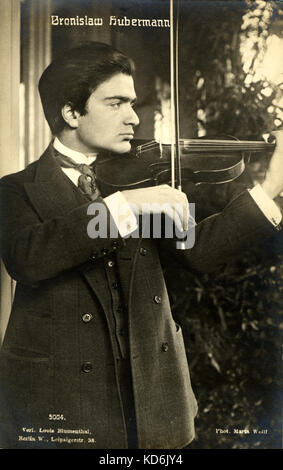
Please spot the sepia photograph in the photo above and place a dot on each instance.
(141, 233)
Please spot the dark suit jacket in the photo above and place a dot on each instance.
(60, 275)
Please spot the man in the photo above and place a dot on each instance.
(92, 357)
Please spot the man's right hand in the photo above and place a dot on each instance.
(160, 200)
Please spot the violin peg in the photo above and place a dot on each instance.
(269, 138)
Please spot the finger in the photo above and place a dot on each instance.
(184, 209)
(270, 138)
(186, 213)
(178, 222)
(181, 211)
(173, 212)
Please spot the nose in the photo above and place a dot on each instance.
(131, 116)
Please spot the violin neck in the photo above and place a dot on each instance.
(203, 145)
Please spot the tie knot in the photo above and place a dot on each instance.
(87, 179)
(84, 169)
(68, 162)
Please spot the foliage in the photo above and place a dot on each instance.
(232, 324)
(230, 99)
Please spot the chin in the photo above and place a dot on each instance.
(122, 147)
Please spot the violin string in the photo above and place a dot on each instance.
(205, 142)
(211, 144)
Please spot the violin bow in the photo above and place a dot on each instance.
(176, 179)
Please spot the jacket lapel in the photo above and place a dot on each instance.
(52, 193)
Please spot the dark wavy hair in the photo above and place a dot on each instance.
(72, 78)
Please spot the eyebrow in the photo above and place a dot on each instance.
(125, 99)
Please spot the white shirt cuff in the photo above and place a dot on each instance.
(266, 205)
(122, 213)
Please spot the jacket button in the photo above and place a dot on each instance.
(143, 251)
(87, 367)
(110, 264)
(115, 245)
(165, 347)
(104, 251)
(87, 317)
(93, 255)
(157, 299)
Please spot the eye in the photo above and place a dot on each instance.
(116, 105)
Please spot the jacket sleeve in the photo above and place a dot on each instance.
(226, 235)
(34, 250)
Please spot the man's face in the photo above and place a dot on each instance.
(110, 118)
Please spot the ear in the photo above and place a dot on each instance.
(70, 116)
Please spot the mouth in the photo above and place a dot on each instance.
(127, 135)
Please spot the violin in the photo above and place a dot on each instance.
(202, 161)
(198, 161)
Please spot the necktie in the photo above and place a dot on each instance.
(87, 179)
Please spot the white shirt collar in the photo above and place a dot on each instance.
(78, 157)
